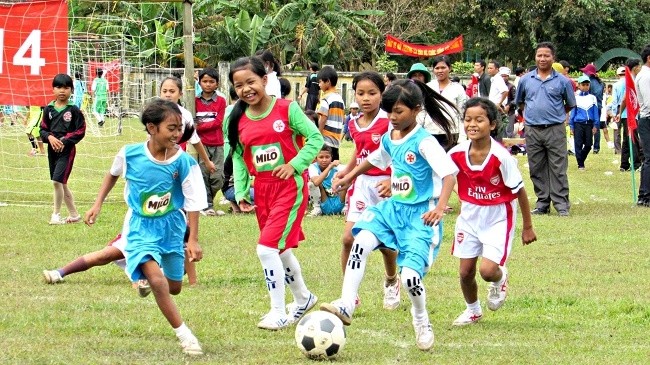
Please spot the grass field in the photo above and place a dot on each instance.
(577, 296)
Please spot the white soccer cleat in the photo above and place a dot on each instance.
(144, 289)
(467, 317)
(391, 295)
(56, 219)
(423, 335)
(339, 309)
(52, 276)
(315, 212)
(192, 347)
(497, 292)
(295, 311)
(273, 321)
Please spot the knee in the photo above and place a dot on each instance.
(158, 283)
(175, 287)
(489, 273)
(348, 240)
(467, 274)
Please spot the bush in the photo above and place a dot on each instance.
(384, 64)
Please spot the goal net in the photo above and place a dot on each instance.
(135, 44)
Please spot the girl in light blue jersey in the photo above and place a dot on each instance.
(161, 180)
(422, 179)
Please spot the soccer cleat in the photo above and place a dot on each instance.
(423, 335)
(497, 292)
(357, 302)
(295, 311)
(467, 317)
(144, 288)
(391, 294)
(273, 321)
(56, 219)
(192, 347)
(315, 212)
(610, 144)
(339, 309)
(52, 276)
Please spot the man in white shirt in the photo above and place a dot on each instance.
(498, 95)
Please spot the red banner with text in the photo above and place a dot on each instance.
(33, 49)
(398, 46)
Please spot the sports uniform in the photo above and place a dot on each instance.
(69, 126)
(155, 192)
(100, 97)
(418, 165)
(363, 193)
(488, 194)
(268, 141)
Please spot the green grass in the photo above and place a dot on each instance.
(577, 296)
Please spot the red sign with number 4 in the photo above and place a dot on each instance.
(33, 49)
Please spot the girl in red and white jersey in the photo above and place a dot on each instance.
(267, 135)
(489, 184)
(373, 186)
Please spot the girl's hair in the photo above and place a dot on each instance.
(256, 65)
(442, 58)
(371, 76)
(157, 110)
(232, 93)
(77, 75)
(62, 80)
(391, 76)
(490, 108)
(210, 72)
(100, 72)
(267, 56)
(177, 82)
(413, 94)
(285, 87)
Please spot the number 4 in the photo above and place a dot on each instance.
(35, 61)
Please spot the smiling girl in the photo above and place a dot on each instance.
(267, 138)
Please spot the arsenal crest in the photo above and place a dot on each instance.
(460, 237)
(376, 137)
(495, 180)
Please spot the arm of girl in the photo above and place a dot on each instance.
(433, 217)
(345, 182)
(242, 181)
(527, 233)
(300, 123)
(194, 250)
(107, 185)
(200, 149)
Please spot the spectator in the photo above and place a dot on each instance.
(311, 88)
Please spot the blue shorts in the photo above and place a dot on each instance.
(400, 227)
(332, 205)
(159, 239)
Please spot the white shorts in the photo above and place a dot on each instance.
(119, 242)
(489, 233)
(363, 194)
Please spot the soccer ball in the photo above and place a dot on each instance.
(320, 335)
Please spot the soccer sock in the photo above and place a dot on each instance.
(33, 142)
(364, 242)
(475, 307)
(412, 282)
(293, 277)
(274, 276)
(183, 332)
(58, 196)
(77, 265)
(314, 194)
(504, 275)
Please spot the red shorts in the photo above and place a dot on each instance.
(280, 206)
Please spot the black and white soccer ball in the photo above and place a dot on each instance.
(320, 335)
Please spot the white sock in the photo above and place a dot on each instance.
(274, 276)
(364, 242)
(183, 332)
(314, 194)
(504, 275)
(293, 277)
(475, 307)
(413, 283)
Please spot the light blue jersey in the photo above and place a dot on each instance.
(155, 191)
(418, 164)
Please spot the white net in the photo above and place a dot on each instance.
(136, 45)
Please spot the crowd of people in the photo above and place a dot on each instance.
(416, 141)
